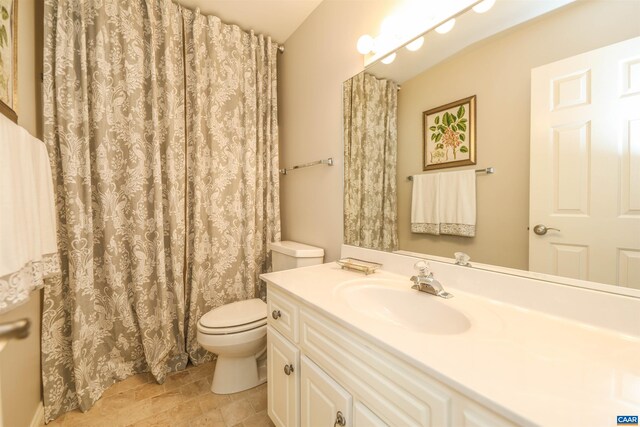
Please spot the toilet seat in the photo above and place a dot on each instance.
(240, 316)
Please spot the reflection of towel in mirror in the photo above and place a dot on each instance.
(457, 203)
(425, 210)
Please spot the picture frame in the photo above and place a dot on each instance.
(9, 58)
(449, 133)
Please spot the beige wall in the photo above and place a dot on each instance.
(20, 360)
(498, 72)
(319, 56)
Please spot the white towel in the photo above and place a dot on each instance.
(425, 211)
(28, 249)
(457, 202)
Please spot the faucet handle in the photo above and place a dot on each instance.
(422, 266)
(462, 259)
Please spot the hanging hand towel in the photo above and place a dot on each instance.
(425, 215)
(28, 249)
(458, 203)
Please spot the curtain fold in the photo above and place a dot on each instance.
(113, 96)
(370, 146)
(233, 182)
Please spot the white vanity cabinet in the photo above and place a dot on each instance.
(283, 385)
(323, 402)
(335, 370)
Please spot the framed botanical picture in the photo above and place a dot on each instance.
(450, 135)
(8, 58)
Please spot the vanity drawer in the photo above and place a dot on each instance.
(282, 314)
(397, 393)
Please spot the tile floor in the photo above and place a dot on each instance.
(184, 400)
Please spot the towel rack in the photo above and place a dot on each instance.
(328, 162)
(488, 171)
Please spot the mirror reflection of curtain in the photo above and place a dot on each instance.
(370, 146)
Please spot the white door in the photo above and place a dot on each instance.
(585, 166)
(283, 386)
(323, 401)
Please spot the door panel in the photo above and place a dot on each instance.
(283, 389)
(585, 166)
(321, 397)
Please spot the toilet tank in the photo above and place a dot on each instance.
(286, 255)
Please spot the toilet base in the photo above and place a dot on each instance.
(236, 374)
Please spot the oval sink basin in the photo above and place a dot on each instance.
(406, 308)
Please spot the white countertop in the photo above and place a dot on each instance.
(526, 365)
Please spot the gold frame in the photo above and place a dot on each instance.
(10, 110)
(470, 129)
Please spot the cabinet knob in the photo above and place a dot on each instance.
(340, 420)
(276, 314)
(288, 369)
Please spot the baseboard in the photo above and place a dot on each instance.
(38, 417)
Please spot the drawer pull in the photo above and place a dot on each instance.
(276, 314)
(288, 369)
(340, 420)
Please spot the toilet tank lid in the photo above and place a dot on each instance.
(295, 249)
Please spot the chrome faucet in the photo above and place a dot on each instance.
(425, 282)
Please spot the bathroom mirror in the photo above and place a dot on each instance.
(491, 56)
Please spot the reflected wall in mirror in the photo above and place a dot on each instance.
(497, 68)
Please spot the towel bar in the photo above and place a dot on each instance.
(488, 171)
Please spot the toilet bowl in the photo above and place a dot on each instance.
(237, 332)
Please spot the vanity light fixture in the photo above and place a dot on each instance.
(365, 44)
(446, 27)
(389, 59)
(484, 6)
(416, 44)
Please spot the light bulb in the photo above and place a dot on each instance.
(483, 6)
(383, 43)
(390, 26)
(447, 26)
(365, 44)
(389, 58)
(416, 44)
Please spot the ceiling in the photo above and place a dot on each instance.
(276, 18)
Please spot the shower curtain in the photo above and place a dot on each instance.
(140, 189)
(232, 146)
(370, 150)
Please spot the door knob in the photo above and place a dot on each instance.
(541, 229)
(276, 314)
(340, 420)
(18, 329)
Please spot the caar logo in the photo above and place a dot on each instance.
(627, 420)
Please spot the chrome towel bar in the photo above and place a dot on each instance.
(488, 171)
(328, 162)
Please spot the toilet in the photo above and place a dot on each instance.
(237, 332)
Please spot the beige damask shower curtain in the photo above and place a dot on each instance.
(232, 138)
(128, 179)
(370, 107)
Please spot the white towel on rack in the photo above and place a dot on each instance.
(28, 249)
(425, 210)
(457, 202)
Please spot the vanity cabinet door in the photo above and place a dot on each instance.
(323, 401)
(363, 417)
(283, 385)
(467, 413)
